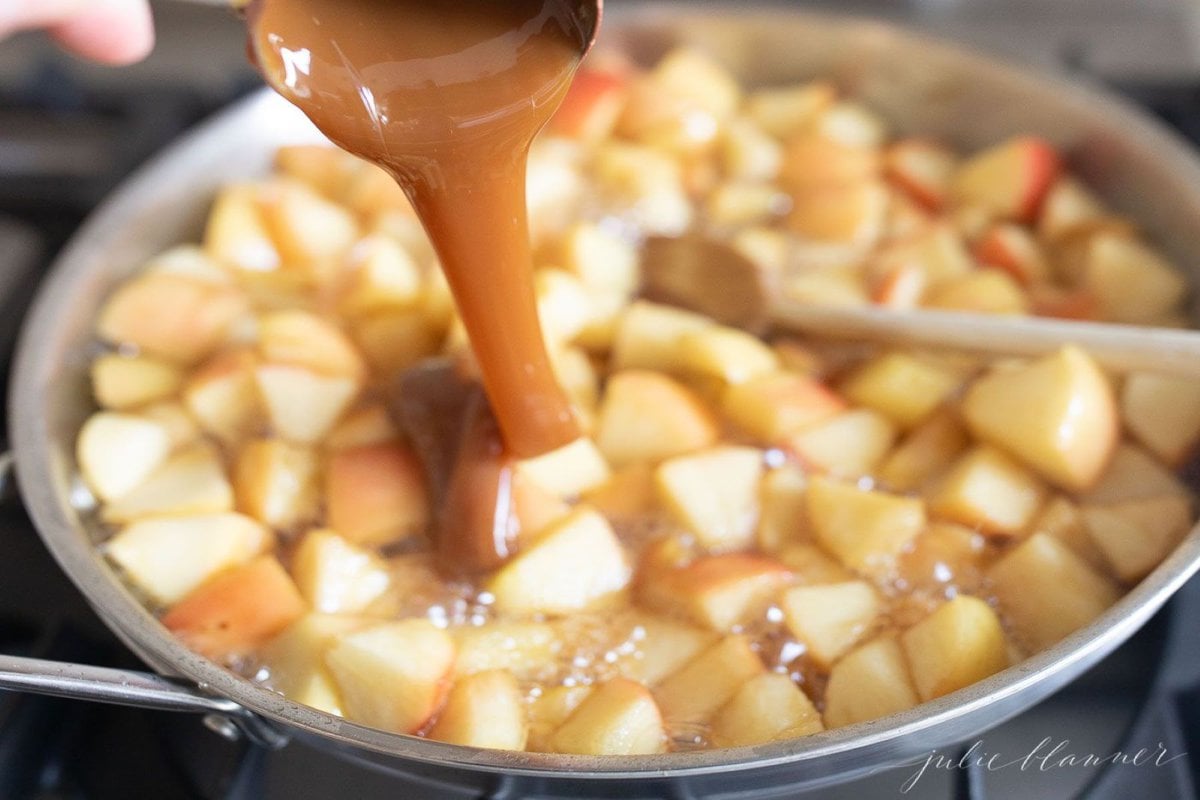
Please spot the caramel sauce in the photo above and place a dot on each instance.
(447, 97)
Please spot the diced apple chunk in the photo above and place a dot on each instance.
(617, 718)
(549, 710)
(925, 453)
(168, 557)
(483, 710)
(1070, 426)
(1136, 535)
(1132, 474)
(648, 336)
(1163, 413)
(783, 518)
(1063, 519)
(957, 645)
(295, 660)
(236, 234)
(223, 396)
(123, 383)
(301, 404)
(376, 495)
(381, 276)
(830, 619)
(850, 444)
(692, 694)
(334, 576)
(809, 564)
(1010, 179)
(767, 708)
(577, 564)
(1114, 263)
(276, 482)
(236, 610)
(726, 354)
(714, 494)
(301, 339)
(850, 215)
(865, 530)
(630, 492)
(1040, 574)
(174, 317)
(522, 648)
(369, 425)
(116, 452)
(392, 676)
(775, 405)
(983, 292)
(986, 489)
(662, 646)
(646, 416)
(902, 387)
(190, 482)
(784, 112)
(311, 233)
(869, 682)
(719, 592)
(568, 471)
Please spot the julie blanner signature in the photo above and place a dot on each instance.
(1046, 756)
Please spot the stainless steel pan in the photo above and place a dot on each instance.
(920, 85)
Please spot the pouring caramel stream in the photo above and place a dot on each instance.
(447, 96)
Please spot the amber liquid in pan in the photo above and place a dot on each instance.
(447, 95)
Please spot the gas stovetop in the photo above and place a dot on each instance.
(67, 137)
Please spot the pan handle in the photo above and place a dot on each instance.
(138, 689)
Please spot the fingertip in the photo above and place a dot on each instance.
(116, 32)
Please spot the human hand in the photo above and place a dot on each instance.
(110, 31)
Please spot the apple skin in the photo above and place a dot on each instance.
(592, 106)
(1010, 179)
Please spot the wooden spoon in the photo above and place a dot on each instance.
(713, 278)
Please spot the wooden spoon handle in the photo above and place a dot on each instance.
(1123, 348)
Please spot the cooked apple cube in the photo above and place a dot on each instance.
(693, 693)
(1163, 413)
(748, 153)
(945, 557)
(121, 382)
(190, 482)
(336, 577)
(1042, 573)
(312, 233)
(812, 163)
(592, 106)
(180, 426)
(369, 425)
(646, 416)
(276, 482)
(117, 452)
(301, 404)
(985, 292)
(630, 492)
(767, 708)
(648, 336)
(938, 254)
(568, 471)
(923, 169)
(223, 396)
(902, 387)
(395, 340)
(549, 710)
(483, 710)
(522, 648)
(830, 619)
(577, 564)
(1010, 179)
(237, 609)
(392, 676)
(236, 234)
(1013, 249)
(986, 489)
(173, 317)
(850, 444)
(851, 214)
(726, 354)
(301, 339)
(783, 518)
(1132, 474)
(865, 530)
(1068, 427)
(380, 276)
(809, 564)
(168, 557)
(662, 646)
(617, 718)
(714, 494)
(926, 452)
(1063, 519)
(957, 645)
(295, 660)
(1113, 263)
(785, 112)
(775, 405)
(869, 682)
(376, 495)
(1136, 535)
(851, 123)
(719, 592)
(578, 377)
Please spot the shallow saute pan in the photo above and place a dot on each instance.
(919, 85)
